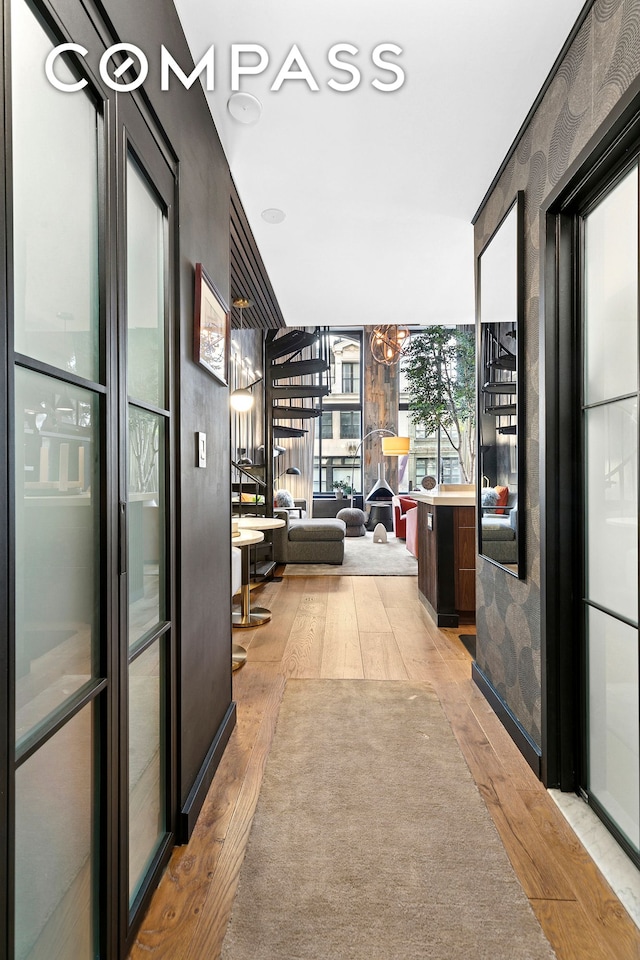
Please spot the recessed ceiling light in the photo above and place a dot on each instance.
(244, 107)
(273, 215)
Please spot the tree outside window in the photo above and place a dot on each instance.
(439, 366)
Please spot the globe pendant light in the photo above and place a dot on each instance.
(242, 398)
(388, 343)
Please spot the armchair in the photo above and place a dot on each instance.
(411, 526)
(401, 506)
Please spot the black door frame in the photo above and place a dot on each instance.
(137, 138)
(70, 20)
(603, 158)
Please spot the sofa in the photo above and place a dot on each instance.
(297, 506)
(499, 530)
(401, 506)
(308, 540)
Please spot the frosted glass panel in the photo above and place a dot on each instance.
(57, 544)
(55, 188)
(146, 763)
(614, 771)
(611, 281)
(612, 514)
(145, 291)
(146, 522)
(55, 856)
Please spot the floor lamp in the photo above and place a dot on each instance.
(392, 446)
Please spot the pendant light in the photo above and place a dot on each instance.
(388, 343)
(241, 399)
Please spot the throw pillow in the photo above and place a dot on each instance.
(489, 497)
(283, 498)
(503, 497)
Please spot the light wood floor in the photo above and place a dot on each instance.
(375, 628)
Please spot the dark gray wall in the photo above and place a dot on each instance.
(204, 585)
(601, 64)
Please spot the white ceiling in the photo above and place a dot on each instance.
(378, 188)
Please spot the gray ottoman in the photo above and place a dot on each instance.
(309, 541)
(354, 521)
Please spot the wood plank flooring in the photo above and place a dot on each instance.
(375, 628)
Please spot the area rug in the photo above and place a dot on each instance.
(371, 841)
(363, 558)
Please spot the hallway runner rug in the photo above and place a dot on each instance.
(371, 841)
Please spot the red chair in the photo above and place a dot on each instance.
(412, 531)
(400, 507)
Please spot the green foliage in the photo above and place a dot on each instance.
(342, 485)
(439, 365)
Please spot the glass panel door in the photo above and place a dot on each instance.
(610, 440)
(91, 429)
(148, 433)
(59, 406)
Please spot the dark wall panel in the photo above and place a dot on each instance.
(600, 65)
(204, 586)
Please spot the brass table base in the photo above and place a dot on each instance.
(254, 617)
(238, 656)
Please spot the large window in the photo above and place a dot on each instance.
(339, 429)
(326, 425)
(349, 424)
(431, 454)
(350, 377)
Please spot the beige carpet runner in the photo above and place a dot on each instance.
(371, 840)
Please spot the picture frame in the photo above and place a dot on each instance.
(212, 327)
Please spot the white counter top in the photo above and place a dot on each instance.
(447, 495)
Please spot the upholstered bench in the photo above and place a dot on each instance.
(308, 541)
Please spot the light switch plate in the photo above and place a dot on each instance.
(201, 448)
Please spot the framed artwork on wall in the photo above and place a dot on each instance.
(212, 327)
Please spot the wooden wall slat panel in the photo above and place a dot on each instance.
(248, 274)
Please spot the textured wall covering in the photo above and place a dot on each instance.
(603, 61)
